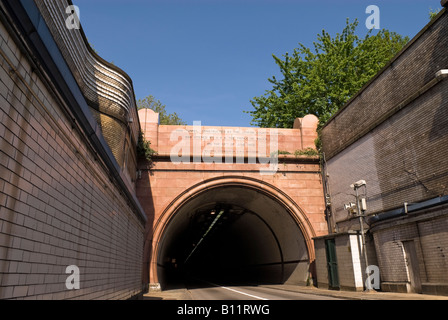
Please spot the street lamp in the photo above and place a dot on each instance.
(362, 206)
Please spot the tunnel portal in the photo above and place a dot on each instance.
(232, 235)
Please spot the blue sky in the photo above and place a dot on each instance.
(206, 59)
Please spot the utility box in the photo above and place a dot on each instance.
(340, 262)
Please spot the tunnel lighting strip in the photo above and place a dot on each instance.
(205, 234)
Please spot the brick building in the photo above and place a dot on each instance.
(67, 163)
(394, 135)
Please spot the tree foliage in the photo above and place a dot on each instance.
(433, 13)
(322, 79)
(165, 118)
(144, 150)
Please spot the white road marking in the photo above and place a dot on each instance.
(240, 292)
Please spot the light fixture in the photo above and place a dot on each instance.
(358, 184)
(361, 206)
(442, 73)
(351, 205)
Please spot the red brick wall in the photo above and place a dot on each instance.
(298, 177)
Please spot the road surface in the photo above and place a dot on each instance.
(216, 292)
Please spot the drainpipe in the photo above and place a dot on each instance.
(327, 198)
(356, 186)
(407, 208)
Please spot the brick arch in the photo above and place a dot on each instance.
(296, 212)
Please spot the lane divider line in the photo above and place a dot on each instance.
(240, 292)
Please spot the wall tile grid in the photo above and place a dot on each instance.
(58, 207)
(430, 237)
(403, 157)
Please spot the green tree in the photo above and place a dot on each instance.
(433, 13)
(321, 80)
(165, 118)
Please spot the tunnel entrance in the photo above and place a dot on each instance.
(232, 235)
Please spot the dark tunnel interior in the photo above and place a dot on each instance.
(232, 235)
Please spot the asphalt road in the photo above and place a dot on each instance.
(216, 292)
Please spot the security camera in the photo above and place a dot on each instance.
(358, 184)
